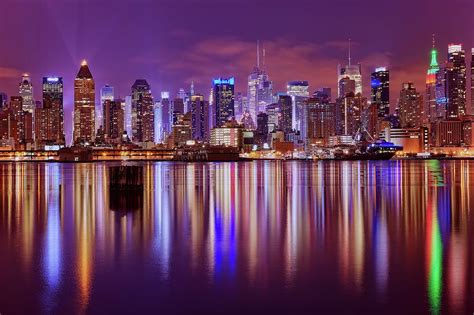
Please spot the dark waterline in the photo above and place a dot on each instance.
(391, 237)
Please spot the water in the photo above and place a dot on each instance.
(392, 237)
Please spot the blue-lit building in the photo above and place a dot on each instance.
(223, 96)
(380, 92)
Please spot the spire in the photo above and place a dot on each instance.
(258, 54)
(84, 72)
(192, 87)
(263, 55)
(434, 56)
(349, 51)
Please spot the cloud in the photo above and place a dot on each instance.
(9, 73)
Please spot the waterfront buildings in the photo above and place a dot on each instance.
(223, 93)
(84, 106)
(229, 135)
(430, 97)
(199, 118)
(321, 121)
(106, 93)
(26, 92)
(113, 120)
(380, 92)
(410, 106)
(299, 93)
(142, 112)
(49, 116)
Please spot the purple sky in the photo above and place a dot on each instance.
(171, 42)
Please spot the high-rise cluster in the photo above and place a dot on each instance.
(296, 120)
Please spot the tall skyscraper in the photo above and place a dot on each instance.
(106, 94)
(21, 124)
(285, 117)
(143, 127)
(113, 120)
(410, 106)
(223, 92)
(430, 102)
(346, 86)
(260, 88)
(49, 116)
(299, 93)
(84, 106)
(380, 92)
(199, 118)
(26, 92)
(321, 121)
(457, 93)
(353, 72)
(128, 115)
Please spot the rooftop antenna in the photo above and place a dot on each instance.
(258, 54)
(263, 57)
(434, 40)
(349, 51)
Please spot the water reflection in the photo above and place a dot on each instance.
(360, 232)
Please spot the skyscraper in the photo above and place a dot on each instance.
(106, 94)
(410, 106)
(299, 93)
(143, 128)
(260, 88)
(199, 118)
(321, 121)
(223, 92)
(285, 116)
(380, 92)
(49, 117)
(26, 92)
(84, 106)
(346, 86)
(430, 102)
(113, 120)
(457, 93)
(353, 72)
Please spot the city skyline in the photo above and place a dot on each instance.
(170, 53)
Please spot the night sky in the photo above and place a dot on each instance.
(170, 43)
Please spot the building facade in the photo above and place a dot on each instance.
(223, 94)
(84, 106)
(143, 128)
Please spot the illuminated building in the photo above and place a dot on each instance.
(324, 94)
(20, 124)
(113, 120)
(3, 100)
(410, 106)
(166, 113)
(84, 106)
(182, 130)
(321, 121)
(229, 135)
(241, 105)
(273, 111)
(413, 140)
(199, 118)
(353, 72)
(143, 127)
(457, 88)
(223, 92)
(285, 117)
(106, 93)
(298, 91)
(128, 115)
(430, 102)
(348, 114)
(26, 92)
(380, 92)
(260, 88)
(49, 116)
(449, 133)
(261, 135)
(178, 109)
(346, 86)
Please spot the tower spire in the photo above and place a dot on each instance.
(263, 55)
(434, 55)
(349, 51)
(258, 53)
